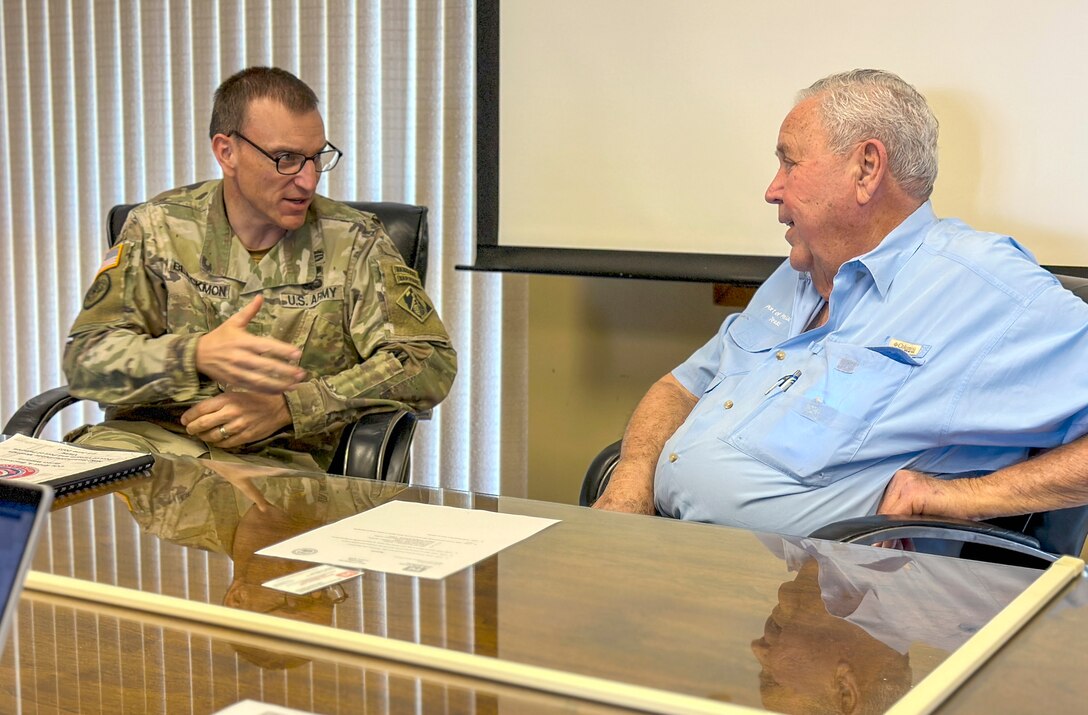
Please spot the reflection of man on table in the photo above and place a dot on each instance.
(238, 509)
(838, 640)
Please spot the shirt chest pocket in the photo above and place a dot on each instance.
(812, 431)
(745, 347)
(315, 326)
(326, 346)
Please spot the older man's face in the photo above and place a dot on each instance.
(812, 661)
(815, 194)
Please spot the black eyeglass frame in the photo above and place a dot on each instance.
(286, 154)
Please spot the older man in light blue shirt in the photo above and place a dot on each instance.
(889, 340)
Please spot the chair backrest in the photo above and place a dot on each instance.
(406, 224)
(599, 473)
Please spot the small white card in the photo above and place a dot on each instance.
(311, 579)
(424, 540)
(252, 707)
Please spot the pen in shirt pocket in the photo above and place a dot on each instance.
(785, 382)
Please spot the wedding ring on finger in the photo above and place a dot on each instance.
(223, 433)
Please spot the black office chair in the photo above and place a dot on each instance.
(377, 445)
(1024, 540)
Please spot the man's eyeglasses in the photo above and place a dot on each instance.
(290, 163)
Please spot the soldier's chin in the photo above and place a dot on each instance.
(290, 222)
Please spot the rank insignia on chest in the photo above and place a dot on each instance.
(416, 303)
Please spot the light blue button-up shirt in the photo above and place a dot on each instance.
(947, 350)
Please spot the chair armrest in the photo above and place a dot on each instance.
(31, 418)
(599, 472)
(885, 527)
(377, 446)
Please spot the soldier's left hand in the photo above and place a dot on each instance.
(233, 419)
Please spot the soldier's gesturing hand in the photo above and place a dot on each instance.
(232, 356)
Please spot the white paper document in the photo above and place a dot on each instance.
(422, 540)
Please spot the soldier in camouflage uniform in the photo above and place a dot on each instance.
(248, 317)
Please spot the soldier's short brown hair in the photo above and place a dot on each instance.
(232, 98)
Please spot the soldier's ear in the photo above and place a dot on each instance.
(224, 151)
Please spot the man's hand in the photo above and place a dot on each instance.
(233, 419)
(629, 490)
(244, 476)
(232, 356)
(910, 493)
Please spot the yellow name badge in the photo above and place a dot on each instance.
(912, 349)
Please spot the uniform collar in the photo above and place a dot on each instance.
(295, 260)
(886, 260)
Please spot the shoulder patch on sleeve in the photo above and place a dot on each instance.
(415, 302)
(408, 309)
(98, 290)
(403, 275)
(112, 259)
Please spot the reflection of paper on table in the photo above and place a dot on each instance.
(252, 707)
(422, 540)
(310, 580)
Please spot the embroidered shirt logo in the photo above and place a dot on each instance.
(775, 316)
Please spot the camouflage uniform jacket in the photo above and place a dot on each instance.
(337, 288)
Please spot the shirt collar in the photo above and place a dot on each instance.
(886, 260)
(294, 260)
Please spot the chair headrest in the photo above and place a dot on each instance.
(1077, 285)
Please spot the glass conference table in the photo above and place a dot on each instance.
(597, 613)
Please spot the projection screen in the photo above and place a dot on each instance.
(636, 137)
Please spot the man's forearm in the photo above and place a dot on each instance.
(658, 415)
(100, 365)
(417, 382)
(1057, 479)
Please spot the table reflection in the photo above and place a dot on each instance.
(92, 659)
(638, 600)
(839, 638)
(1041, 669)
(814, 662)
(238, 509)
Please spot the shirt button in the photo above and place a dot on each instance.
(728, 404)
(780, 355)
(673, 457)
